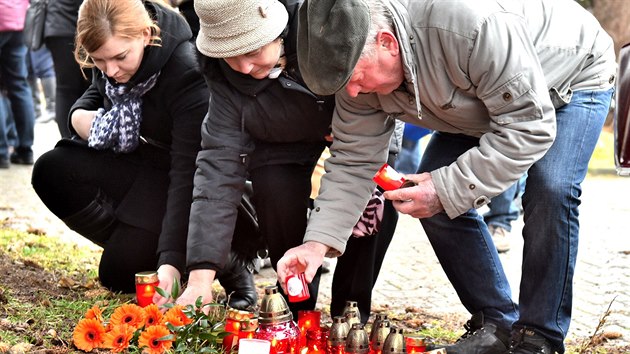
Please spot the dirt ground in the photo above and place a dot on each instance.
(20, 278)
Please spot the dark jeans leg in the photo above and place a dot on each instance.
(14, 75)
(68, 178)
(281, 197)
(357, 270)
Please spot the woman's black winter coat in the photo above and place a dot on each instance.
(172, 113)
(250, 123)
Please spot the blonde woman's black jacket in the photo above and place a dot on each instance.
(250, 123)
(172, 113)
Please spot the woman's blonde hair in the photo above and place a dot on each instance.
(101, 19)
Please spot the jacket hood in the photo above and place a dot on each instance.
(217, 69)
(174, 30)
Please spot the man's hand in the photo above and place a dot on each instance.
(167, 275)
(419, 201)
(199, 284)
(305, 258)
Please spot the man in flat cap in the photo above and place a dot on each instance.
(508, 86)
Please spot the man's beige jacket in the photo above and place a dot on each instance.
(493, 69)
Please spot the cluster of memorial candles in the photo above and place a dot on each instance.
(272, 329)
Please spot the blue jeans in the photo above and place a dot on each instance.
(14, 73)
(4, 125)
(464, 247)
(503, 209)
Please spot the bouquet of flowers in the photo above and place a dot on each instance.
(131, 328)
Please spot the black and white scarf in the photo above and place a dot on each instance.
(119, 128)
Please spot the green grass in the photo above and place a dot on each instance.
(45, 320)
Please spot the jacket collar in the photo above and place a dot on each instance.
(407, 44)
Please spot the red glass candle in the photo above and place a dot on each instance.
(390, 179)
(233, 320)
(307, 319)
(415, 345)
(248, 328)
(284, 336)
(145, 287)
(297, 288)
(314, 342)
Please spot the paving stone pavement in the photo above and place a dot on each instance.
(411, 274)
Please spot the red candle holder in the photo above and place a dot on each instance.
(248, 328)
(284, 337)
(307, 319)
(297, 288)
(389, 179)
(313, 342)
(415, 344)
(145, 287)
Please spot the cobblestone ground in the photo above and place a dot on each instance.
(411, 274)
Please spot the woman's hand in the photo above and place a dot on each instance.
(81, 121)
(199, 284)
(167, 275)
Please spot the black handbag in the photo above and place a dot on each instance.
(34, 24)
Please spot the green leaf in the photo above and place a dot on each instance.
(167, 337)
(199, 302)
(176, 289)
(162, 292)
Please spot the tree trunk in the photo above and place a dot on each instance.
(614, 16)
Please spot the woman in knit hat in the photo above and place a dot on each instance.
(265, 125)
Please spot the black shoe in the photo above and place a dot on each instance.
(4, 162)
(22, 158)
(527, 341)
(481, 338)
(237, 279)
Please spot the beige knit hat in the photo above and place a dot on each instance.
(233, 27)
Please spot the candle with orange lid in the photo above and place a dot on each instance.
(145, 287)
(415, 344)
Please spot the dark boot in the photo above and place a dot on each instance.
(481, 338)
(527, 341)
(96, 221)
(237, 278)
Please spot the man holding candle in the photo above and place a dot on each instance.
(508, 87)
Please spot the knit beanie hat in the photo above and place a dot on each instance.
(229, 28)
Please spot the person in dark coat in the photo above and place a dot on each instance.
(264, 125)
(71, 83)
(125, 180)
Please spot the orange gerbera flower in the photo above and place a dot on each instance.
(153, 315)
(117, 339)
(88, 334)
(176, 316)
(150, 339)
(130, 314)
(95, 313)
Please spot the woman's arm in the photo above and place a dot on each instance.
(81, 121)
